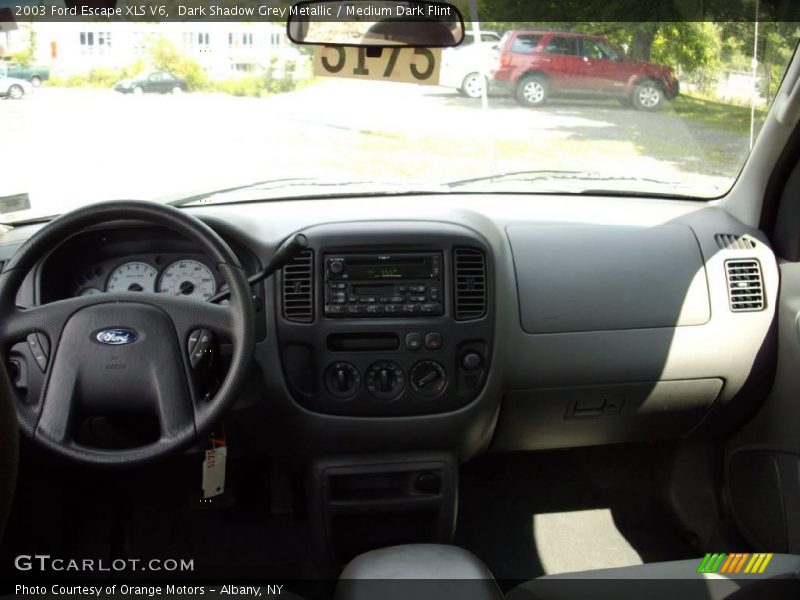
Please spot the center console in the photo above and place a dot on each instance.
(359, 503)
(387, 319)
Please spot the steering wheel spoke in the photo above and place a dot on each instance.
(48, 319)
(190, 316)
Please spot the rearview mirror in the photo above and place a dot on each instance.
(376, 23)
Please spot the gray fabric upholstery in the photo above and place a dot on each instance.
(419, 571)
(648, 581)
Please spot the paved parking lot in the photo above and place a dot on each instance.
(69, 146)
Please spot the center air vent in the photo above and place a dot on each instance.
(298, 288)
(728, 241)
(469, 266)
(745, 287)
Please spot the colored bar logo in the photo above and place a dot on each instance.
(740, 562)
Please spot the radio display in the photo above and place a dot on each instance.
(383, 273)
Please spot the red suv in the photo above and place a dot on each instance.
(537, 64)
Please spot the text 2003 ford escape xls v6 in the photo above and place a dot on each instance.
(323, 326)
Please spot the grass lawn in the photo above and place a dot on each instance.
(728, 117)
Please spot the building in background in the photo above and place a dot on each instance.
(225, 50)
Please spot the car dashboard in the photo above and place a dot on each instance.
(464, 323)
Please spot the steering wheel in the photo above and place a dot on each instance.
(124, 354)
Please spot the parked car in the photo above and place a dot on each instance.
(487, 37)
(466, 67)
(11, 87)
(35, 74)
(535, 65)
(156, 82)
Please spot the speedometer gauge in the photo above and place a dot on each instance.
(188, 278)
(132, 277)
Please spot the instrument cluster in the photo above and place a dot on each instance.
(186, 277)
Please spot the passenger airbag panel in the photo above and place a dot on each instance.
(593, 277)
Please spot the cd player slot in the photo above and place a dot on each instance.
(363, 342)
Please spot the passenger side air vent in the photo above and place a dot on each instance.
(469, 267)
(745, 288)
(298, 288)
(728, 241)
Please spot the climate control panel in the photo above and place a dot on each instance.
(405, 372)
(386, 380)
(380, 372)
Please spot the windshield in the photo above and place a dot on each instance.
(211, 110)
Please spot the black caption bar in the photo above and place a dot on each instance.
(529, 12)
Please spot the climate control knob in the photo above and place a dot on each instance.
(342, 380)
(385, 380)
(428, 378)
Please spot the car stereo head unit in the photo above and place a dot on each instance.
(384, 285)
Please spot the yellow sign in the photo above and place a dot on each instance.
(406, 65)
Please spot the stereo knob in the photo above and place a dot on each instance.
(337, 267)
(385, 380)
(428, 378)
(342, 380)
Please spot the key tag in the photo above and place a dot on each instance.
(214, 468)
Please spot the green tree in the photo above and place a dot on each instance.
(776, 43)
(166, 57)
(27, 56)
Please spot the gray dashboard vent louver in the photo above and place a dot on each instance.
(728, 241)
(298, 288)
(469, 266)
(745, 287)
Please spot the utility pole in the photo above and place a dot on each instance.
(754, 69)
(484, 130)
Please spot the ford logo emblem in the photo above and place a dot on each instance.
(117, 336)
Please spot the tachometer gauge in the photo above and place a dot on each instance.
(90, 291)
(188, 278)
(132, 277)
